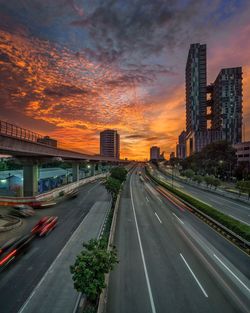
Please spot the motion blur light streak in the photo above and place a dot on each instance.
(70, 69)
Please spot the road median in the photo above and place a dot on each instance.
(240, 231)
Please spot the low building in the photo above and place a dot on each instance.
(181, 146)
(243, 151)
(172, 155)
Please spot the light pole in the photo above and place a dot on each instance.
(172, 176)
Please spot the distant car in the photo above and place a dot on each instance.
(22, 210)
(14, 248)
(45, 226)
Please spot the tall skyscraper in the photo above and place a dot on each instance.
(196, 83)
(110, 143)
(154, 153)
(227, 104)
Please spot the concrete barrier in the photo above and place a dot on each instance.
(50, 196)
(104, 295)
(17, 223)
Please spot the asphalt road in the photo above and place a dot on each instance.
(234, 208)
(170, 261)
(19, 280)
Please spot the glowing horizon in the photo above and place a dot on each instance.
(72, 71)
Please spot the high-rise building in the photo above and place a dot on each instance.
(154, 153)
(196, 83)
(110, 143)
(227, 104)
(181, 146)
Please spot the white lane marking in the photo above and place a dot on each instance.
(236, 218)
(142, 253)
(196, 279)
(50, 269)
(158, 217)
(178, 218)
(232, 272)
(147, 199)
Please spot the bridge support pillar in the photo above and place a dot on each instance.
(92, 169)
(75, 172)
(30, 180)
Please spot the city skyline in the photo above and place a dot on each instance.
(60, 79)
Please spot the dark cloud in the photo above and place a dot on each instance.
(141, 27)
(135, 136)
(139, 74)
(64, 91)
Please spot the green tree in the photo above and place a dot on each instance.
(215, 182)
(198, 179)
(113, 186)
(208, 180)
(119, 173)
(3, 166)
(90, 267)
(189, 173)
(244, 186)
(218, 159)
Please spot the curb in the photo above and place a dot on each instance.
(104, 295)
(232, 196)
(13, 226)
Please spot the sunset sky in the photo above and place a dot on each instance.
(71, 68)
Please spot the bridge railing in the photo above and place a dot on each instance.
(18, 132)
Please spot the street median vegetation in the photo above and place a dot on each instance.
(235, 226)
(99, 256)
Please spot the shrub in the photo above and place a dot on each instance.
(237, 227)
(91, 265)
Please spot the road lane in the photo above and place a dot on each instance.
(174, 288)
(18, 281)
(234, 208)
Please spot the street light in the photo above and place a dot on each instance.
(172, 176)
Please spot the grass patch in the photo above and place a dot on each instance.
(237, 227)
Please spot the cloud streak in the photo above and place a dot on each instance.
(77, 67)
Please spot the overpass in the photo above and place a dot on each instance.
(28, 147)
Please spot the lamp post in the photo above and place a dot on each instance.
(172, 176)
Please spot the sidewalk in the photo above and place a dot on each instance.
(55, 292)
(220, 191)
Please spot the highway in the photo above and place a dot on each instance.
(20, 279)
(170, 261)
(233, 208)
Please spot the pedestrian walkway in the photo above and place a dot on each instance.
(55, 292)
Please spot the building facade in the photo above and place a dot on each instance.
(154, 153)
(181, 146)
(196, 83)
(213, 112)
(172, 155)
(243, 151)
(110, 143)
(227, 104)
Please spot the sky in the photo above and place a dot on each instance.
(71, 68)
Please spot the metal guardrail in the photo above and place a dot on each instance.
(15, 131)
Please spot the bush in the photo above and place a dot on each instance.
(198, 179)
(244, 186)
(188, 173)
(237, 227)
(91, 265)
(119, 173)
(113, 186)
